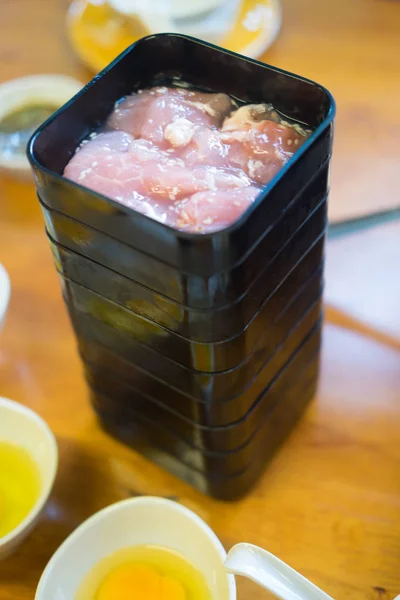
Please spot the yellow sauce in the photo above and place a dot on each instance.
(19, 486)
(17, 126)
(144, 573)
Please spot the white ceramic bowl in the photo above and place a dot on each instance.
(5, 288)
(22, 426)
(178, 9)
(33, 89)
(133, 522)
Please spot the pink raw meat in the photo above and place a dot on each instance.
(116, 163)
(259, 147)
(105, 165)
(206, 212)
(145, 115)
(206, 147)
(183, 158)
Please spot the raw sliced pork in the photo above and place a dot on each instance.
(191, 160)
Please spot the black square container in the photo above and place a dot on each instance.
(217, 356)
(223, 475)
(106, 251)
(128, 399)
(204, 325)
(227, 462)
(213, 292)
(99, 361)
(206, 386)
(166, 58)
(219, 485)
(253, 396)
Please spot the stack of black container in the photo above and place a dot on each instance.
(201, 351)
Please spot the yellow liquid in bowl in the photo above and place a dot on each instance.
(144, 573)
(98, 34)
(19, 486)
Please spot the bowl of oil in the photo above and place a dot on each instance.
(155, 547)
(28, 465)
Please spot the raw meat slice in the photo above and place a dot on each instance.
(147, 114)
(206, 212)
(105, 165)
(206, 148)
(175, 181)
(184, 158)
(259, 146)
(114, 163)
(249, 114)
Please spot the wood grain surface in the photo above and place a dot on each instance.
(329, 504)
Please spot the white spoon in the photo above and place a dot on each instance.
(274, 575)
(271, 573)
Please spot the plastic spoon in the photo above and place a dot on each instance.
(274, 575)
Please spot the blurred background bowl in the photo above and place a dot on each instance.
(5, 290)
(20, 101)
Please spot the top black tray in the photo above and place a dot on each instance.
(160, 59)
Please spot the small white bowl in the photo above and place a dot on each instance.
(133, 522)
(31, 90)
(159, 522)
(22, 426)
(5, 288)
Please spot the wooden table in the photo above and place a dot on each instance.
(329, 504)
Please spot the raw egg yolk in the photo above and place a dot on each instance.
(136, 582)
